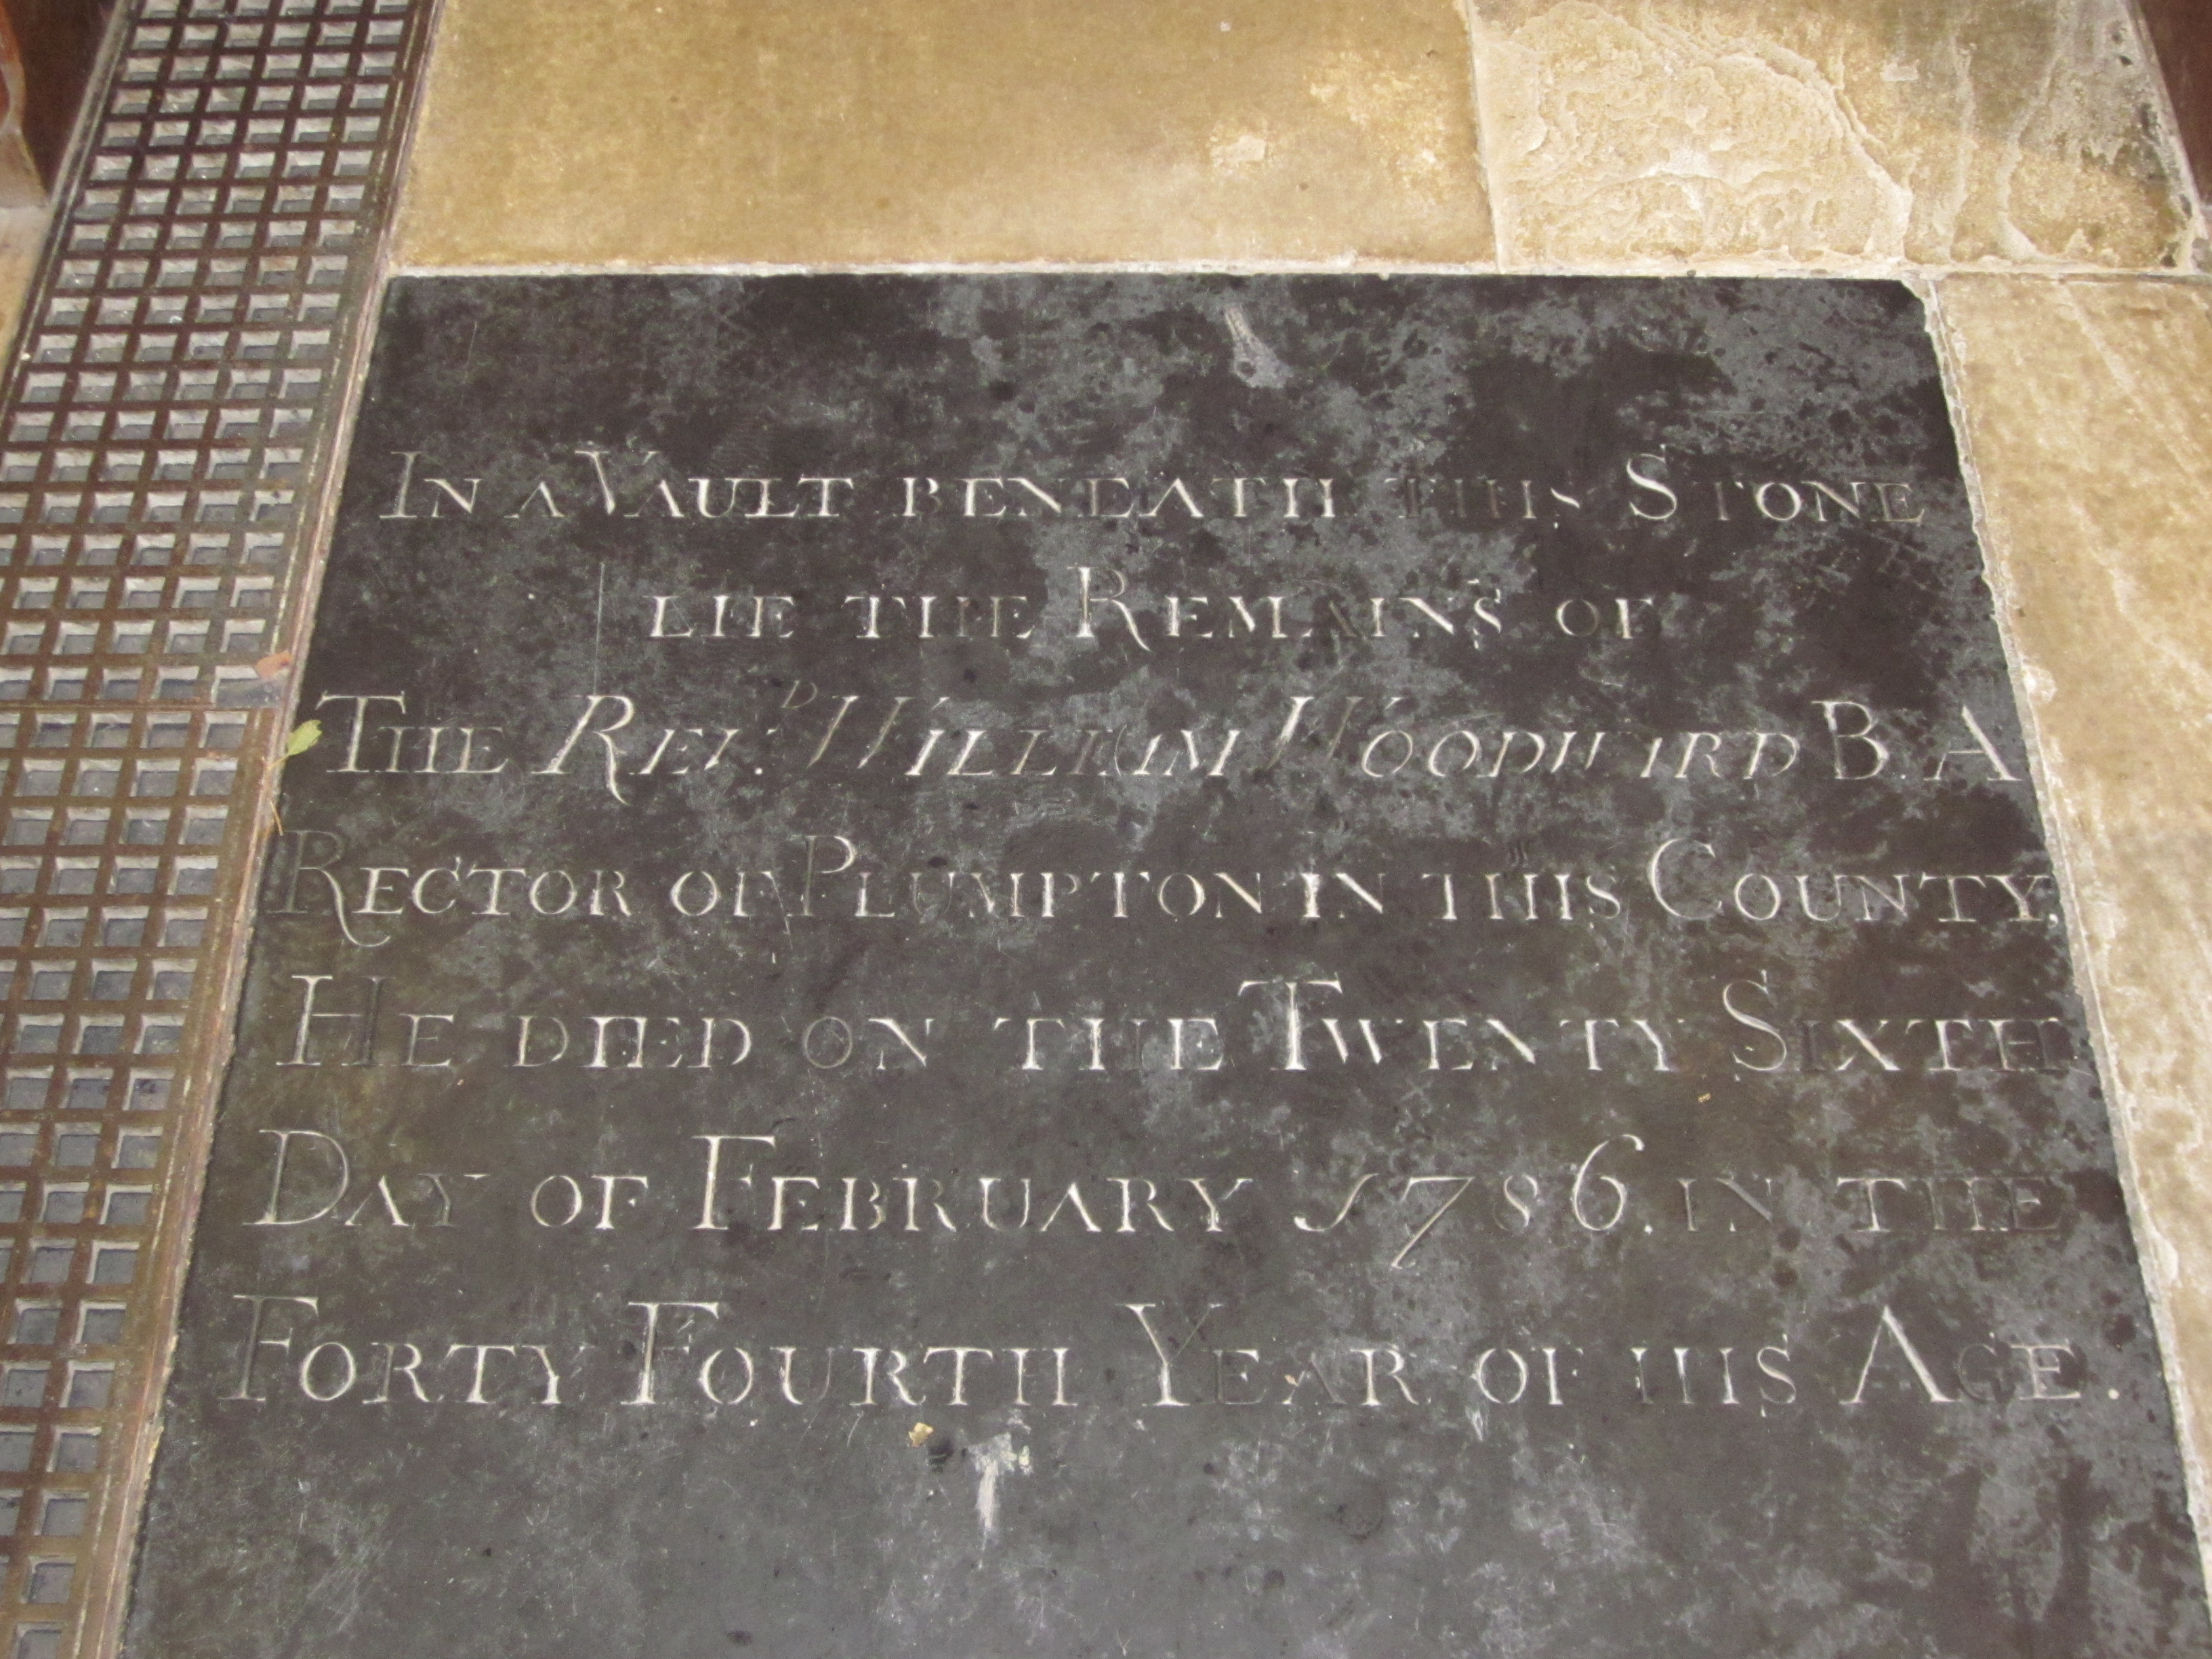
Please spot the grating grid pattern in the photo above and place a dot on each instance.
(165, 440)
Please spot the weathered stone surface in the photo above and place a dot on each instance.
(1768, 131)
(2087, 407)
(1799, 1200)
(634, 133)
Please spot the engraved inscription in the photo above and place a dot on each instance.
(1101, 964)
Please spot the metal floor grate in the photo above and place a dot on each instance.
(168, 433)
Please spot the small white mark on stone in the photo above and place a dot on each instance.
(994, 1457)
(1250, 359)
(1239, 154)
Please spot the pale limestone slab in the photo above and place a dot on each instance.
(22, 231)
(2087, 411)
(647, 132)
(1831, 133)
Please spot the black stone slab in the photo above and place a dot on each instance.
(1677, 1218)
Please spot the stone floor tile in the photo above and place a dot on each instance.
(1823, 132)
(2087, 406)
(640, 132)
